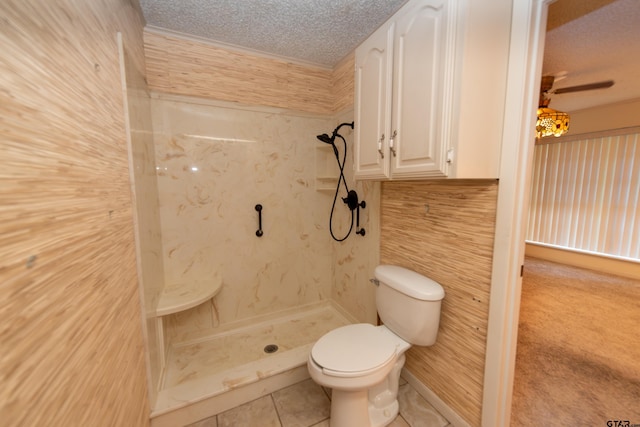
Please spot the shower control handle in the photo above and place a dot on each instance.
(380, 146)
(391, 143)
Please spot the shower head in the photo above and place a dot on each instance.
(326, 138)
(330, 139)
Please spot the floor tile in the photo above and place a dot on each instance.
(306, 404)
(402, 381)
(417, 411)
(260, 412)
(208, 422)
(302, 404)
(399, 422)
(327, 391)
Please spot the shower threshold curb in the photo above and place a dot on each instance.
(208, 396)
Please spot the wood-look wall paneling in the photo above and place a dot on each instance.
(445, 230)
(342, 83)
(183, 66)
(71, 334)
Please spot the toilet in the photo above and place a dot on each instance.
(361, 363)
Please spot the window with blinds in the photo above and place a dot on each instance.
(585, 195)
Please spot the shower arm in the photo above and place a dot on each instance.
(335, 131)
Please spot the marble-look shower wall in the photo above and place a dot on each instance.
(215, 162)
(355, 259)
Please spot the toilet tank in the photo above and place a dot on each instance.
(409, 304)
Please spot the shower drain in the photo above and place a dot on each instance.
(271, 348)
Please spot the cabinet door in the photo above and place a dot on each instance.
(422, 59)
(373, 104)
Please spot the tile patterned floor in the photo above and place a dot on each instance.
(306, 404)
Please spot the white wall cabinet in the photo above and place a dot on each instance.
(408, 81)
(372, 116)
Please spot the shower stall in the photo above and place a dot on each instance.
(230, 314)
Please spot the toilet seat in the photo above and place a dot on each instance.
(354, 350)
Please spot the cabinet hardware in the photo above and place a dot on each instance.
(450, 155)
(391, 142)
(380, 146)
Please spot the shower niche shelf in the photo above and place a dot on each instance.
(327, 171)
(327, 184)
(181, 295)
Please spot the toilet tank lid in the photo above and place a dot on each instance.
(409, 282)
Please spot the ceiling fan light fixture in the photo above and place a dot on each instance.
(551, 123)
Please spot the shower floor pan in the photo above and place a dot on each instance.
(208, 376)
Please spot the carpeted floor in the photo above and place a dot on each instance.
(578, 354)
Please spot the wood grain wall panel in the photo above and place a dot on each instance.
(342, 83)
(71, 333)
(188, 67)
(444, 230)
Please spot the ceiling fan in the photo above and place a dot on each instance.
(547, 85)
(552, 122)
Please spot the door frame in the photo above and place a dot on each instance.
(528, 30)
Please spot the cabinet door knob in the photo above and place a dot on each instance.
(450, 155)
(380, 146)
(391, 141)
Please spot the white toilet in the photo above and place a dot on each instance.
(361, 363)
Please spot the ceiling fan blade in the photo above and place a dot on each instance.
(590, 86)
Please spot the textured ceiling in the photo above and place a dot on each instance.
(320, 32)
(601, 45)
(588, 40)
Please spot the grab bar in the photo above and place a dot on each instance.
(259, 233)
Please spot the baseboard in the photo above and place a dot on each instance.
(444, 409)
(602, 263)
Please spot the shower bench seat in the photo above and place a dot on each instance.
(180, 295)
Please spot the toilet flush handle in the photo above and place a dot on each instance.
(375, 282)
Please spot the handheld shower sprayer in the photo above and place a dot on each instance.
(330, 139)
(325, 138)
(352, 197)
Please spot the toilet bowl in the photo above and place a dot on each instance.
(361, 363)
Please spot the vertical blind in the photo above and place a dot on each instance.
(585, 195)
